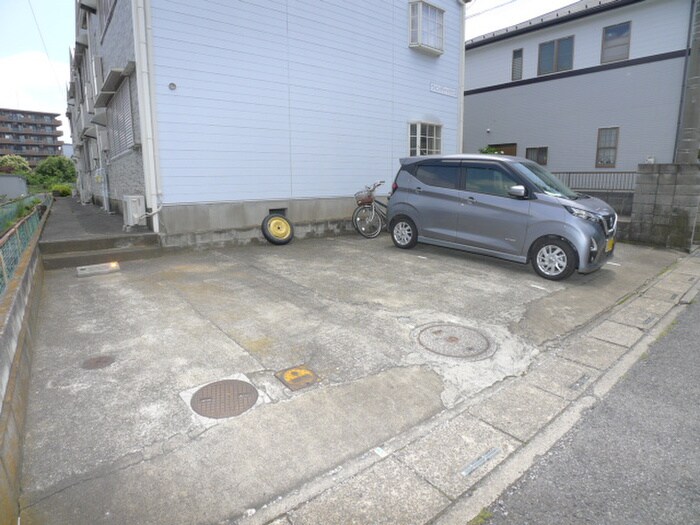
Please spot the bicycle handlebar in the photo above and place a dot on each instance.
(375, 185)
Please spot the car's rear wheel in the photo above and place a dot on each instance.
(404, 232)
(553, 259)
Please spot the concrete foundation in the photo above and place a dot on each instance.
(239, 222)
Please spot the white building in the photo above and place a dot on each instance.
(219, 112)
(594, 87)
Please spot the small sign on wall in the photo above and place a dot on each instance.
(443, 90)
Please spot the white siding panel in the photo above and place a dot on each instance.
(293, 98)
(564, 115)
(657, 26)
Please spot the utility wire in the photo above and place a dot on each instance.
(489, 9)
(43, 43)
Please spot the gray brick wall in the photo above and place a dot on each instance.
(666, 204)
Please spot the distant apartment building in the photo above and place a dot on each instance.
(593, 87)
(220, 112)
(30, 134)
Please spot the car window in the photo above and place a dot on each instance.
(487, 179)
(441, 176)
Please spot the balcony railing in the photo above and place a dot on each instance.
(618, 181)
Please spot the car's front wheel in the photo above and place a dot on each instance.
(404, 232)
(553, 259)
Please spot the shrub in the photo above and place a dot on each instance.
(62, 190)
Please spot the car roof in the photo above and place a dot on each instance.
(461, 156)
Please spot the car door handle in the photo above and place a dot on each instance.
(419, 189)
(471, 200)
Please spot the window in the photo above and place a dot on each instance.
(425, 139)
(426, 27)
(556, 55)
(616, 43)
(539, 155)
(516, 71)
(119, 123)
(441, 176)
(104, 9)
(510, 148)
(491, 180)
(606, 155)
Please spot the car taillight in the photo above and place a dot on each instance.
(394, 187)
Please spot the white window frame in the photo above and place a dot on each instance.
(516, 67)
(610, 46)
(611, 149)
(120, 124)
(425, 31)
(419, 131)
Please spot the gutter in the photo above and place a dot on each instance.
(140, 13)
(548, 23)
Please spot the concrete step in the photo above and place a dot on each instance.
(55, 261)
(98, 243)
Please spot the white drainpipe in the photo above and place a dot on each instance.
(141, 16)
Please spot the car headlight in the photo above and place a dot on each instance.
(583, 214)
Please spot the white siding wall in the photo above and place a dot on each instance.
(564, 116)
(658, 26)
(280, 99)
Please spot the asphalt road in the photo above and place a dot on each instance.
(634, 458)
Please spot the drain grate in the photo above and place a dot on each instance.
(455, 341)
(96, 362)
(227, 398)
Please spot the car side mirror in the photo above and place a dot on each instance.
(518, 191)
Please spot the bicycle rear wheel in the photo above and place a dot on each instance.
(367, 221)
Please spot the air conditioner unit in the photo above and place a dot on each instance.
(134, 210)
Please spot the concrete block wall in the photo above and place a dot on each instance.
(18, 309)
(666, 204)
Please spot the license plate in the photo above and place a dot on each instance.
(609, 245)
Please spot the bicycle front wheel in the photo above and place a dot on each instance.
(367, 221)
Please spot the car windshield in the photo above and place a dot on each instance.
(544, 181)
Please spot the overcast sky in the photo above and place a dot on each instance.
(486, 16)
(35, 36)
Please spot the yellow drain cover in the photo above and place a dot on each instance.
(297, 377)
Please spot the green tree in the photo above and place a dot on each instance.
(14, 164)
(55, 170)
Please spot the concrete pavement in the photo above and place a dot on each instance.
(634, 457)
(435, 370)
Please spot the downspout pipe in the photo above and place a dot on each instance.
(687, 134)
(460, 92)
(140, 12)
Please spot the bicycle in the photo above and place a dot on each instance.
(369, 218)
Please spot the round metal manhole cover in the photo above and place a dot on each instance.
(227, 398)
(96, 362)
(455, 341)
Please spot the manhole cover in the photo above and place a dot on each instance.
(226, 398)
(454, 341)
(98, 361)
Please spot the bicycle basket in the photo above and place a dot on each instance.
(364, 197)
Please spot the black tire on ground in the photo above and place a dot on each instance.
(553, 258)
(277, 229)
(403, 232)
(367, 221)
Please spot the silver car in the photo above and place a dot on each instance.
(507, 207)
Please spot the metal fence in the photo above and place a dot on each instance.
(622, 181)
(17, 238)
